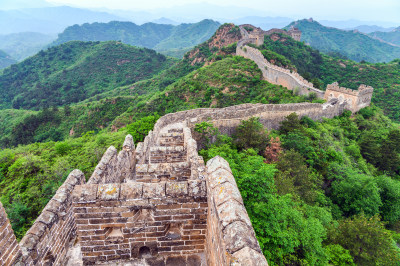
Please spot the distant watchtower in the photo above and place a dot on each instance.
(295, 33)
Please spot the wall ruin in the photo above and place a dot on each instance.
(354, 100)
(10, 251)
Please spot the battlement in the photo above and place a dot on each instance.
(354, 99)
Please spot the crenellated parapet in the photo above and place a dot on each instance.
(354, 99)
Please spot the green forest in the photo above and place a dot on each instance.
(168, 39)
(353, 45)
(317, 192)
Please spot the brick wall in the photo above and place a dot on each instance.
(47, 241)
(230, 236)
(134, 220)
(9, 248)
(116, 167)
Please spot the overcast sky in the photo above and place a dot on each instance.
(371, 10)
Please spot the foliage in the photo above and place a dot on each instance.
(338, 255)
(141, 128)
(354, 45)
(295, 178)
(31, 174)
(207, 134)
(273, 150)
(75, 71)
(160, 37)
(251, 134)
(367, 240)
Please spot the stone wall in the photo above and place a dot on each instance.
(164, 221)
(116, 167)
(227, 119)
(47, 241)
(230, 236)
(9, 248)
(278, 75)
(355, 99)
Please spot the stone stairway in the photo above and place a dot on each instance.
(168, 159)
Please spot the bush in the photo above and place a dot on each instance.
(251, 134)
(141, 128)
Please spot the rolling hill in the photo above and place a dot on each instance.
(24, 44)
(392, 37)
(5, 60)
(173, 40)
(352, 44)
(76, 71)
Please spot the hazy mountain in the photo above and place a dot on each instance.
(392, 37)
(165, 21)
(6, 60)
(24, 44)
(353, 23)
(370, 28)
(75, 71)
(352, 44)
(48, 20)
(161, 37)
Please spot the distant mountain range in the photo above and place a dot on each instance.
(165, 38)
(392, 37)
(5, 60)
(351, 44)
(24, 44)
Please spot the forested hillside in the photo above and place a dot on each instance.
(354, 45)
(169, 39)
(323, 70)
(390, 37)
(75, 71)
(5, 60)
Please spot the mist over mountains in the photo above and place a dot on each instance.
(43, 18)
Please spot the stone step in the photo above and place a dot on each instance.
(176, 130)
(156, 172)
(167, 154)
(172, 139)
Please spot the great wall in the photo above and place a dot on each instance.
(158, 203)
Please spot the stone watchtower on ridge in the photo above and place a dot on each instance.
(355, 99)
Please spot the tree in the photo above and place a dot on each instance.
(141, 128)
(389, 191)
(273, 150)
(294, 177)
(207, 134)
(367, 240)
(251, 134)
(67, 110)
(338, 255)
(291, 123)
(356, 193)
